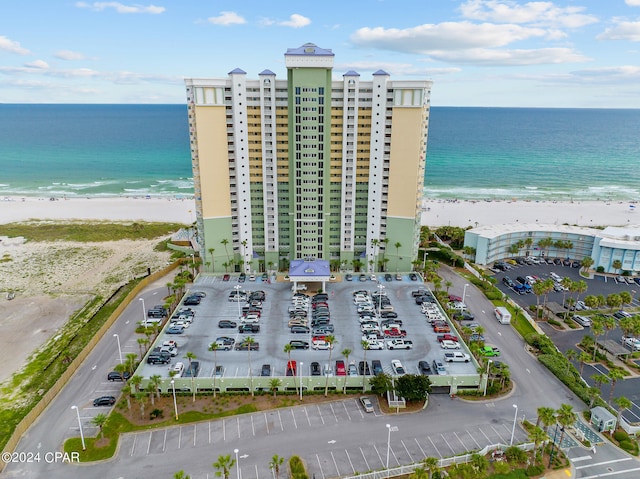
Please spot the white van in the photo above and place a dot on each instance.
(502, 315)
(555, 277)
(582, 320)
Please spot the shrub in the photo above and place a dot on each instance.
(627, 445)
(620, 435)
(534, 470)
(156, 413)
(600, 269)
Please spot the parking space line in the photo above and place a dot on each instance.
(238, 424)
(420, 447)
(307, 414)
(459, 440)
(133, 446)
(266, 423)
(256, 466)
(209, 432)
(434, 446)
(253, 427)
(320, 466)
(487, 437)
(179, 438)
(501, 438)
(359, 408)
(349, 457)
(345, 410)
(335, 464)
(445, 440)
(224, 431)
(320, 413)
(365, 459)
(379, 456)
(474, 439)
(334, 413)
(149, 445)
(280, 419)
(294, 418)
(394, 455)
(405, 448)
(195, 425)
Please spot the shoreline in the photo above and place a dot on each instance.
(435, 212)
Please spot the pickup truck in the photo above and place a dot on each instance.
(244, 346)
(399, 344)
(456, 357)
(249, 328)
(448, 337)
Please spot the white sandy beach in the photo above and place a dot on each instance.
(435, 213)
(168, 210)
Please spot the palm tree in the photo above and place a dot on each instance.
(571, 354)
(419, 473)
(580, 287)
(275, 464)
(537, 435)
(365, 347)
(614, 301)
(583, 358)
(223, 466)
(213, 263)
(225, 242)
(99, 420)
(586, 263)
(622, 403)
(154, 383)
(546, 416)
(131, 361)
(617, 264)
(287, 349)
(386, 242)
(600, 379)
(191, 356)
(142, 342)
(597, 329)
(126, 390)
(614, 376)
(431, 463)
(375, 243)
(135, 381)
(331, 340)
(566, 417)
(141, 397)
(214, 347)
(274, 384)
(346, 352)
(592, 394)
(181, 475)
(625, 298)
(397, 245)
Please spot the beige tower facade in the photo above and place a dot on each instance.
(308, 166)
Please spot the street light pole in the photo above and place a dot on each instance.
(237, 287)
(424, 260)
(119, 349)
(175, 404)
(236, 451)
(80, 426)
(486, 381)
(388, 446)
(464, 292)
(513, 429)
(144, 310)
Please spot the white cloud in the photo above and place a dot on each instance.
(632, 3)
(535, 13)
(295, 21)
(395, 69)
(121, 8)
(617, 74)
(38, 64)
(227, 18)
(12, 46)
(443, 36)
(506, 57)
(69, 55)
(622, 31)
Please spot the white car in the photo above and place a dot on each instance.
(374, 278)
(397, 367)
(366, 404)
(448, 344)
(178, 368)
(369, 328)
(376, 344)
(457, 305)
(250, 319)
(184, 324)
(632, 343)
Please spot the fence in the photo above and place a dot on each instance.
(443, 462)
(49, 396)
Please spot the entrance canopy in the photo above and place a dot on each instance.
(309, 271)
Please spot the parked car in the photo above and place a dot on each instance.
(349, 277)
(117, 376)
(489, 351)
(424, 368)
(225, 343)
(266, 370)
(366, 404)
(413, 277)
(104, 401)
(397, 367)
(340, 368)
(376, 367)
(315, 369)
(438, 367)
(399, 344)
(224, 323)
(447, 344)
(300, 329)
(292, 368)
(246, 345)
(175, 330)
(388, 277)
(352, 370)
(456, 356)
(178, 368)
(295, 344)
(192, 370)
(363, 368)
(226, 277)
(249, 328)
(159, 358)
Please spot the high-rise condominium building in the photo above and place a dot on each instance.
(308, 167)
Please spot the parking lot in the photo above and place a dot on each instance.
(336, 455)
(233, 365)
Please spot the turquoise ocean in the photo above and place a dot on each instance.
(473, 153)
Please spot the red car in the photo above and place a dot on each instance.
(449, 337)
(226, 277)
(395, 333)
(441, 328)
(455, 299)
(292, 368)
(340, 369)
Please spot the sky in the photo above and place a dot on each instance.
(487, 53)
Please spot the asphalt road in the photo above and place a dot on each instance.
(335, 439)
